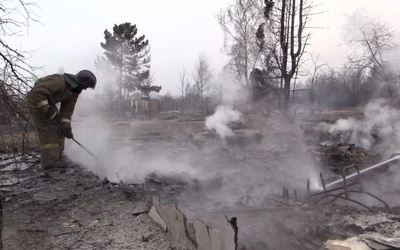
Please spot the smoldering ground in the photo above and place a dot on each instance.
(120, 155)
(221, 170)
(378, 131)
(221, 174)
(118, 151)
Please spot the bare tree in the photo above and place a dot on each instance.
(370, 56)
(239, 23)
(202, 78)
(192, 98)
(327, 89)
(370, 39)
(183, 87)
(286, 37)
(16, 75)
(316, 73)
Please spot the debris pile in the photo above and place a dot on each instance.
(338, 156)
(372, 231)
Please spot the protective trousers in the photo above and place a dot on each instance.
(50, 139)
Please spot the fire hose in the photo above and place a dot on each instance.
(383, 163)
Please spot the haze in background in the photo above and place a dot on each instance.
(178, 30)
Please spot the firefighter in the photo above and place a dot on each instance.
(53, 125)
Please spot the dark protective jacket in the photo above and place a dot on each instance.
(51, 90)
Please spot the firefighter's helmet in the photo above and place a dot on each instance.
(86, 79)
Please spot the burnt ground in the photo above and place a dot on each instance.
(74, 209)
(242, 176)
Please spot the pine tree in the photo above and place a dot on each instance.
(128, 55)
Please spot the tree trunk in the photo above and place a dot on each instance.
(149, 108)
(286, 94)
(312, 100)
(202, 102)
(182, 106)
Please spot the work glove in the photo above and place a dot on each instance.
(67, 130)
(52, 112)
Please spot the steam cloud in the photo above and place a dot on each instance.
(224, 173)
(379, 130)
(119, 157)
(379, 127)
(220, 119)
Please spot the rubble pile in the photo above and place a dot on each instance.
(337, 156)
(370, 231)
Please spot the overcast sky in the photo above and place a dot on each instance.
(70, 32)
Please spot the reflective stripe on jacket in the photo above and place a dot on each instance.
(51, 90)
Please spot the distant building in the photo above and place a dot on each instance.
(142, 106)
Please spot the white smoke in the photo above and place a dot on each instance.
(220, 120)
(380, 124)
(227, 112)
(118, 157)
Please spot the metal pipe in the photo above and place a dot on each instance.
(84, 148)
(322, 181)
(63, 131)
(362, 171)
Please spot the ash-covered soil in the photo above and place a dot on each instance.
(73, 209)
(240, 176)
